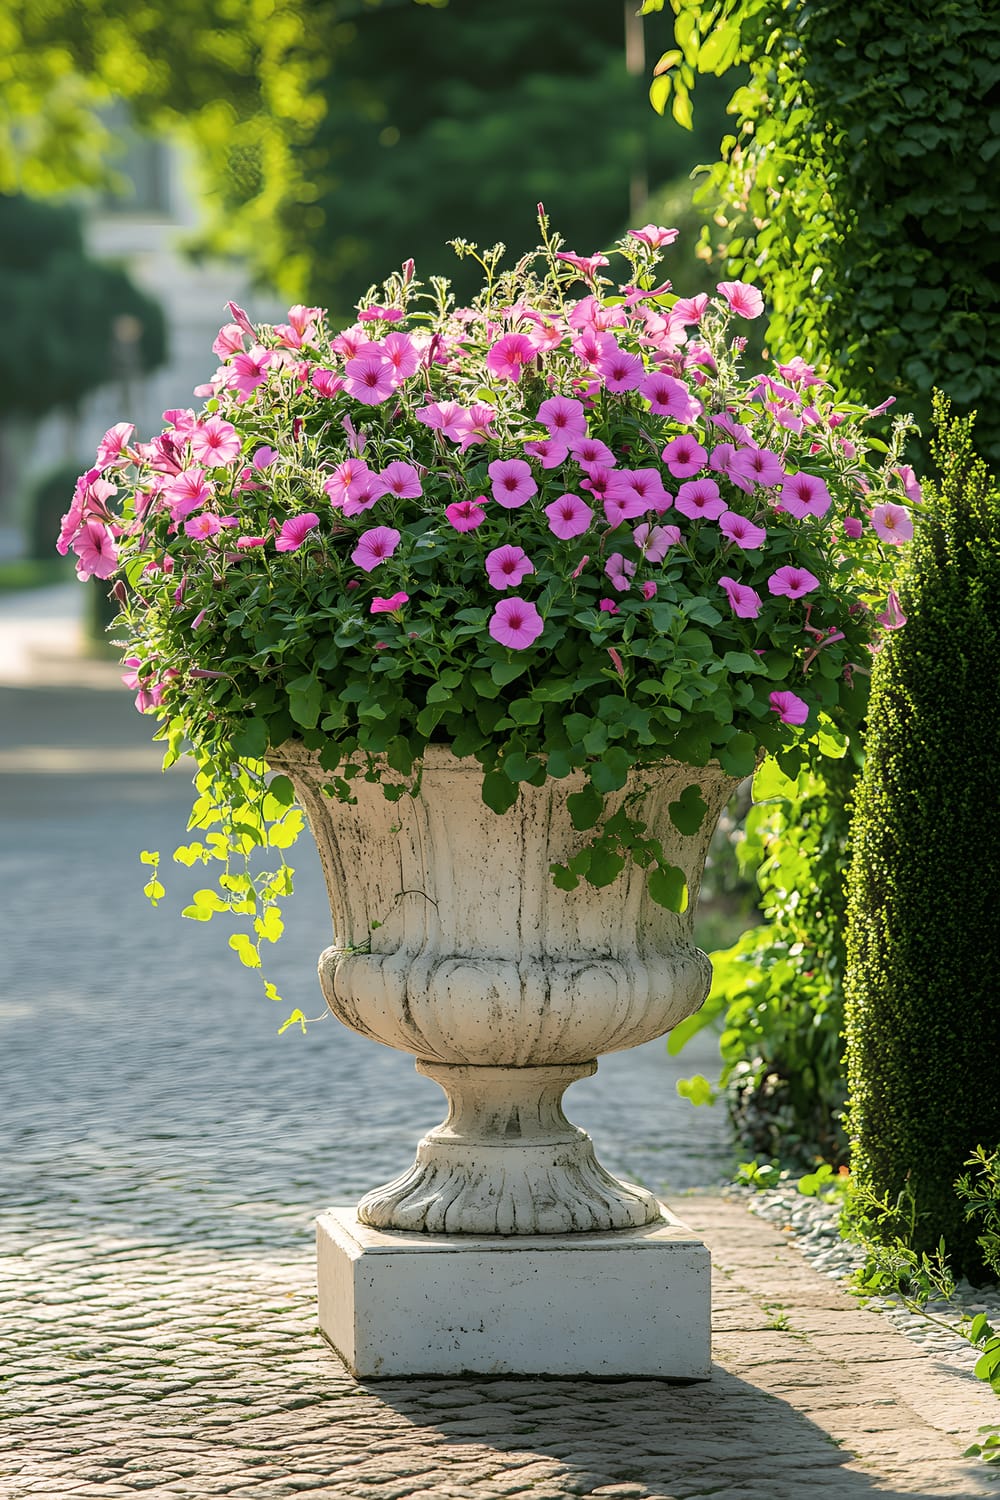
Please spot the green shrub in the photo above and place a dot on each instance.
(923, 1020)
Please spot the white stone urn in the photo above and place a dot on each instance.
(453, 943)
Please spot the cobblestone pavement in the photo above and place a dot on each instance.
(164, 1154)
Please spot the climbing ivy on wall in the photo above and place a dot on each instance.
(859, 184)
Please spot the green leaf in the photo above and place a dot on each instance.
(563, 878)
(686, 1029)
(771, 781)
(305, 697)
(585, 807)
(688, 813)
(297, 1018)
(739, 757)
(499, 792)
(520, 767)
(148, 857)
(245, 950)
(659, 92)
(605, 865)
(668, 887)
(697, 1089)
(503, 672)
(251, 741)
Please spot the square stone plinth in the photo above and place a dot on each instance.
(633, 1302)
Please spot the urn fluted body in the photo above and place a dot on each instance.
(453, 943)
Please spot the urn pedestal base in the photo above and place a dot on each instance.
(627, 1302)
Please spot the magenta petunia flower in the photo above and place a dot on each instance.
(386, 606)
(294, 531)
(684, 457)
(743, 600)
(506, 566)
(743, 532)
(792, 581)
(622, 506)
(758, 466)
(402, 354)
(669, 397)
(399, 479)
(326, 382)
(564, 418)
(649, 589)
(744, 300)
(512, 482)
(97, 556)
(375, 546)
(215, 443)
(590, 451)
(516, 623)
(609, 607)
(203, 526)
(893, 523)
(789, 708)
(466, 515)
(369, 378)
(569, 516)
(620, 371)
(805, 495)
(264, 457)
(700, 499)
(644, 485)
(853, 527)
(509, 355)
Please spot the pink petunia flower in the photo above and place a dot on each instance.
(654, 542)
(649, 587)
(246, 543)
(446, 417)
(202, 526)
(620, 570)
(683, 456)
(736, 430)
(550, 452)
(564, 418)
(620, 371)
(509, 355)
(758, 466)
(112, 445)
(587, 265)
(507, 566)
(911, 486)
(609, 607)
(669, 397)
(744, 601)
(853, 527)
(295, 530)
(326, 382)
(475, 424)
(700, 499)
(228, 340)
(722, 461)
(187, 492)
(399, 479)
(744, 533)
(402, 354)
(512, 482)
(893, 523)
(744, 300)
(466, 515)
(690, 309)
(892, 618)
(792, 581)
(386, 606)
(805, 495)
(590, 450)
(654, 235)
(215, 443)
(569, 516)
(350, 480)
(516, 623)
(644, 485)
(369, 378)
(375, 546)
(248, 371)
(97, 555)
(789, 708)
(264, 457)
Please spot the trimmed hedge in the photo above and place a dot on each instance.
(923, 1012)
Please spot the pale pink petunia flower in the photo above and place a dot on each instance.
(743, 532)
(893, 617)
(369, 378)
(669, 397)
(402, 354)
(744, 300)
(805, 495)
(475, 424)
(590, 450)
(759, 466)
(911, 485)
(587, 265)
(853, 527)
(893, 523)
(399, 479)
(507, 566)
(789, 708)
(203, 526)
(466, 515)
(350, 480)
(246, 543)
(620, 570)
(326, 382)
(446, 417)
(512, 482)
(215, 443)
(228, 340)
(744, 601)
(792, 581)
(700, 500)
(654, 235)
(690, 309)
(621, 371)
(569, 516)
(728, 424)
(509, 355)
(375, 546)
(97, 555)
(516, 623)
(386, 606)
(112, 445)
(684, 457)
(295, 530)
(564, 418)
(722, 462)
(654, 542)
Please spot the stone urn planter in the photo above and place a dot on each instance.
(453, 944)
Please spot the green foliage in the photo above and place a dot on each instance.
(58, 309)
(923, 1026)
(859, 184)
(979, 1189)
(778, 990)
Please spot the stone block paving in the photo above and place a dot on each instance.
(164, 1153)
